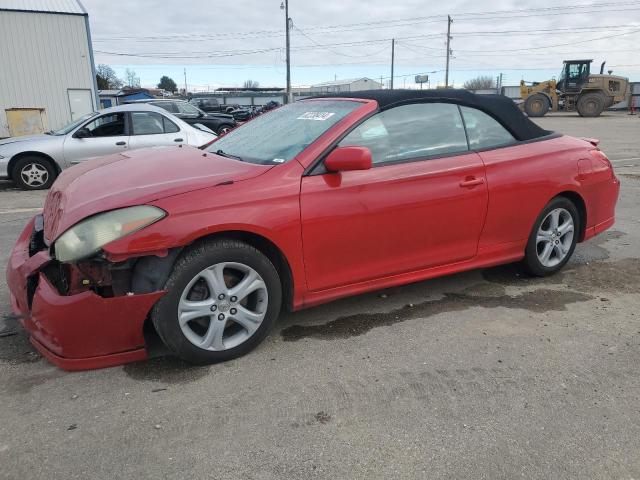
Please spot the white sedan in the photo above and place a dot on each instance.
(33, 162)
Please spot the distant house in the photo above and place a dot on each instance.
(346, 85)
(108, 98)
(111, 98)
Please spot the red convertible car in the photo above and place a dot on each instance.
(317, 200)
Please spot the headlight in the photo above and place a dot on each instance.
(90, 235)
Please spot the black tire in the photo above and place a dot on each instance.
(222, 129)
(33, 169)
(590, 104)
(536, 105)
(531, 262)
(193, 261)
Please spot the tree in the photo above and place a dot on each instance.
(482, 82)
(167, 83)
(251, 84)
(107, 78)
(131, 79)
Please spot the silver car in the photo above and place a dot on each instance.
(33, 162)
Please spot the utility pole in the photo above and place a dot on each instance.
(285, 6)
(185, 82)
(446, 75)
(393, 48)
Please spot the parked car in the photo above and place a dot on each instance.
(244, 114)
(220, 123)
(314, 201)
(209, 104)
(34, 162)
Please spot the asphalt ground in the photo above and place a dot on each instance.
(485, 374)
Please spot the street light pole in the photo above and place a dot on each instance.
(285, 6)
(185, 82)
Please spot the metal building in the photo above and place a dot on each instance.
(47, 72)
(348, 85)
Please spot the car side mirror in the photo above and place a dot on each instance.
(82, 133)
(344, 159)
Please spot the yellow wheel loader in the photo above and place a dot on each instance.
(576, 89)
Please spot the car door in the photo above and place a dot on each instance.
(152, 129)
(422, 204)
(103, 135)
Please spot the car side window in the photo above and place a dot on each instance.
(168, 106)
(483, 130)
(110, 125)
(410, 132)
(169, 126)
(148, 123)
(187, 109)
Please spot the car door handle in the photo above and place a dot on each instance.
(471, 182)
(178, 140)
(121, 143)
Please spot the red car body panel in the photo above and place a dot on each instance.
(404, 210)
(136, 177)
(340, 233)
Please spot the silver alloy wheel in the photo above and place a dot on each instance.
(34, 174)
(554, 237)
(222, 306)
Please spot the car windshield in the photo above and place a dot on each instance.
(74, 124)
(281, 134)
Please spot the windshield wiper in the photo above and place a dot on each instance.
(228, 155)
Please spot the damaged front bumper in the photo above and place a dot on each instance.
(77, 329)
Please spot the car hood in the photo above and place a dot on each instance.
(134, 178)
(220, 116)
(32, 138)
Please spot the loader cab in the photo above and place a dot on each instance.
(575, 73)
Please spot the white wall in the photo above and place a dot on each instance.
(364, 85)
(41, 56)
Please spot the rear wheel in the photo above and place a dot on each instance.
(33, 173)
(553, 238)
(536, 105)
(222, 298)
(590, 104)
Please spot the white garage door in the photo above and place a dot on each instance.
(80, 102)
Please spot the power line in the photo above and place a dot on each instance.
(461, 16)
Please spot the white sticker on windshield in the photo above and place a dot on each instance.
(278, 160)
(321, 116)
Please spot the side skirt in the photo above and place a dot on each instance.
(486, 257)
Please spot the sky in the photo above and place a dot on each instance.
(222, 44)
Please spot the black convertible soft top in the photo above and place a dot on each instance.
(502, 108)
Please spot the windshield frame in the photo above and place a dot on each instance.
(356, 105)
(70, 127)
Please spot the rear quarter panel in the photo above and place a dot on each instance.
(522, 179)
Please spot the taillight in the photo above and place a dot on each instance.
(600, 162)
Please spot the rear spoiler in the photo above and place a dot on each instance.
(593, 141)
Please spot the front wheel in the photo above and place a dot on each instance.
(553, 238)
(33, 173)
(222, 298)
(536, 105)
(224, 129)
